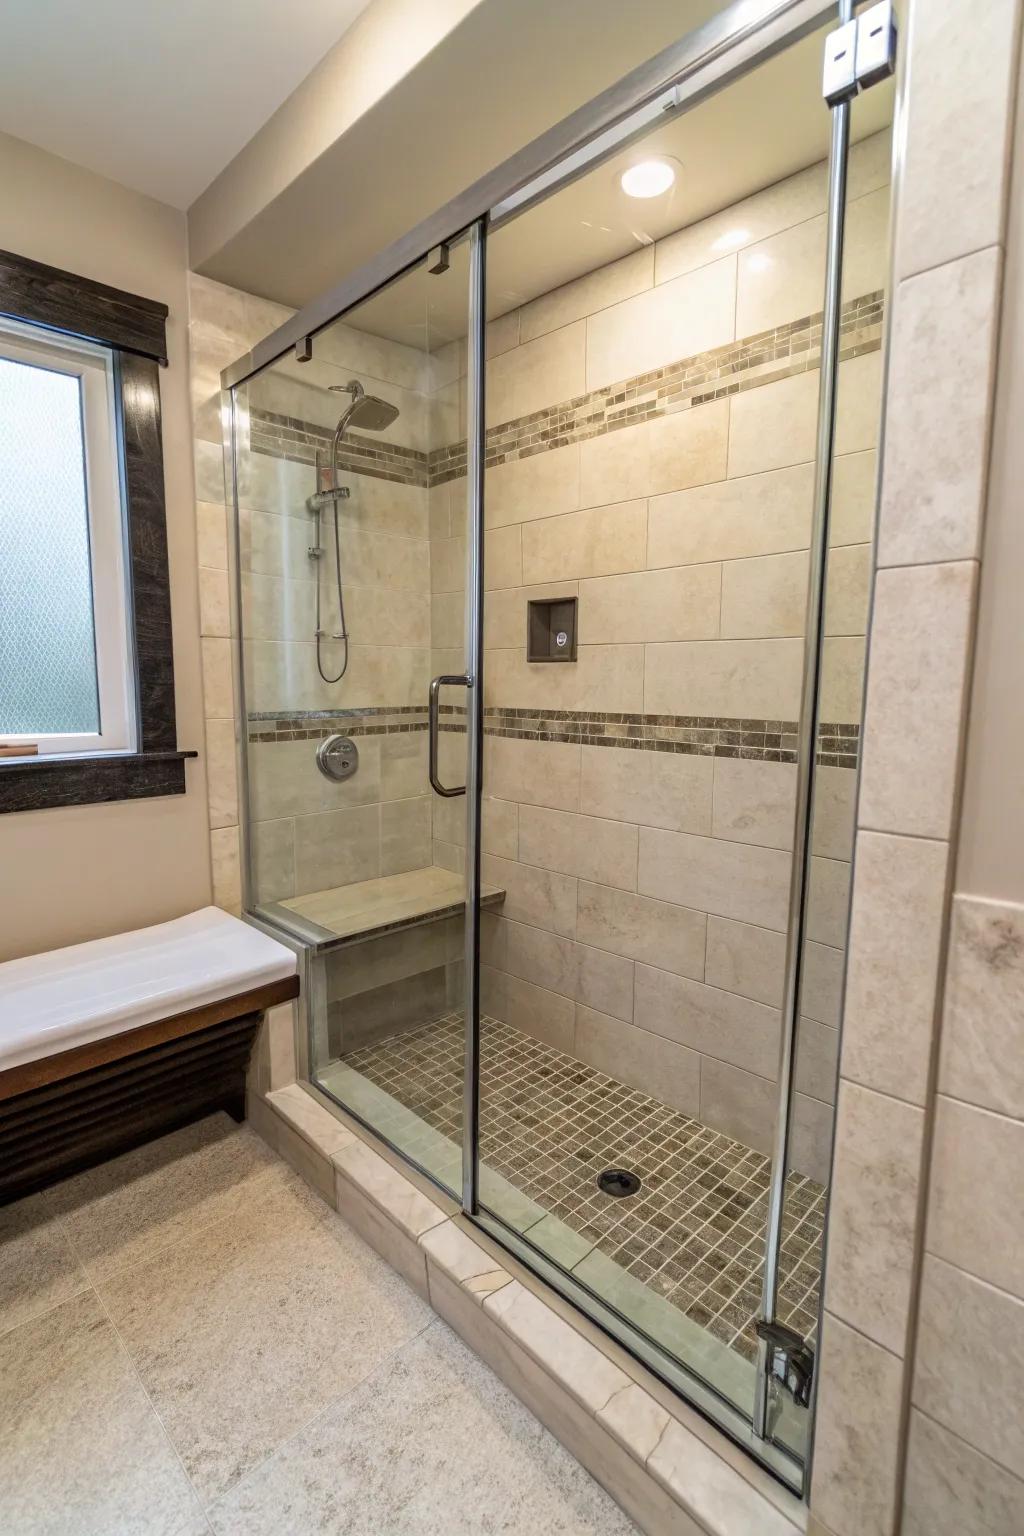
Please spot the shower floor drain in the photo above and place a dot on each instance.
(618, 1182)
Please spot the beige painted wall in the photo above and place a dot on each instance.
(85, 871)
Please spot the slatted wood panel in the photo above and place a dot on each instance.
(69, 1111)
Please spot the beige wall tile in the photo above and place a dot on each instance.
(604, 978)
(828, 901)
(895, 937)
(811, 1139)
(716, 1023)
(678, 604)
(689, 314)
(688, 447)
(503, 559)
(872, 1214)
(848, 587)
(782, 278)
(596, 542)
(853, 497)
(859, 407)
(285, 781)
(537, 896)
(955, 164)
(842, 677)
(273, 859)
(536, 374)
(447, 565)
(212, 535)
(404, 835)
(856, 1452)
(951, 1488)
(546, 959)
(915, 697)
(710, 875)
(657, 932)
(605, 677)
(214, 603)
(974, 1214)
(773, 426)
(763, 514)
(533, 772)
(601, 851)
(744, 679)
(221, 778)
(227, 869)
(544, 485)
(337, 848)
(403, 766)
(447, 619)
(668, 453)
(218, 684)
(754, 802)
(777, 207)
(595, 291)
(545, 1015)
(505, 612)
(822, 983)
(817, 1060)
(668, 1072)
(936, 448)
(655, 789)
(835, 805)
(748, 960)
(763, 597)
(982, 1057)
(960, 1320)
(738, 1103)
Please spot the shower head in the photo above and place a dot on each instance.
(367, 411)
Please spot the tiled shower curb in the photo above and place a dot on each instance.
(670, 1471)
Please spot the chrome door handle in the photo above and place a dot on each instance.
(446, 679)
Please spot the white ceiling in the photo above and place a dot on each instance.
(157, 94)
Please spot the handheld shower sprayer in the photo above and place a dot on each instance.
(373, 415)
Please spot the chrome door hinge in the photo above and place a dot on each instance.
(859, 54)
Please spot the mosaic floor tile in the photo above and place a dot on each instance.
(694, 1233)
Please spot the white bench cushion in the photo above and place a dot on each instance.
(67, 997)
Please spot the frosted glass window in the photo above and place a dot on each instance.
(48, 677)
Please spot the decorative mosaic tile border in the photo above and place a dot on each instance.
(315, 724)
(768, 741)
(288, 437)
(749, 363)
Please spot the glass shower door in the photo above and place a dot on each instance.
(350, 475)
(657, 443)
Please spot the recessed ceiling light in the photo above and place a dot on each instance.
(649, 178)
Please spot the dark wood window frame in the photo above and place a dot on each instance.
(133, 329)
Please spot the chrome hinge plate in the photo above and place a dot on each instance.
(859, 54)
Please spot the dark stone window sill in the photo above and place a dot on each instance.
(38, 783)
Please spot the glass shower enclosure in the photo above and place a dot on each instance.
(553, 542)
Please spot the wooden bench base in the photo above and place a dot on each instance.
(66, 1112)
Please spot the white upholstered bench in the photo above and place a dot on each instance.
(106, 1044)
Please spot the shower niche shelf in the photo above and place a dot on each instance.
(551, 629)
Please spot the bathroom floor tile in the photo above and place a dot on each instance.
(431, 1444)
(81, 1451)
(549, 1124)
(245, 1330)
(134, 1206)
(38, 1266)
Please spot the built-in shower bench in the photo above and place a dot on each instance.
(368, 908)
(106, 1044)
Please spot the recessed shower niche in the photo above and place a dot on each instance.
(551, 629)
